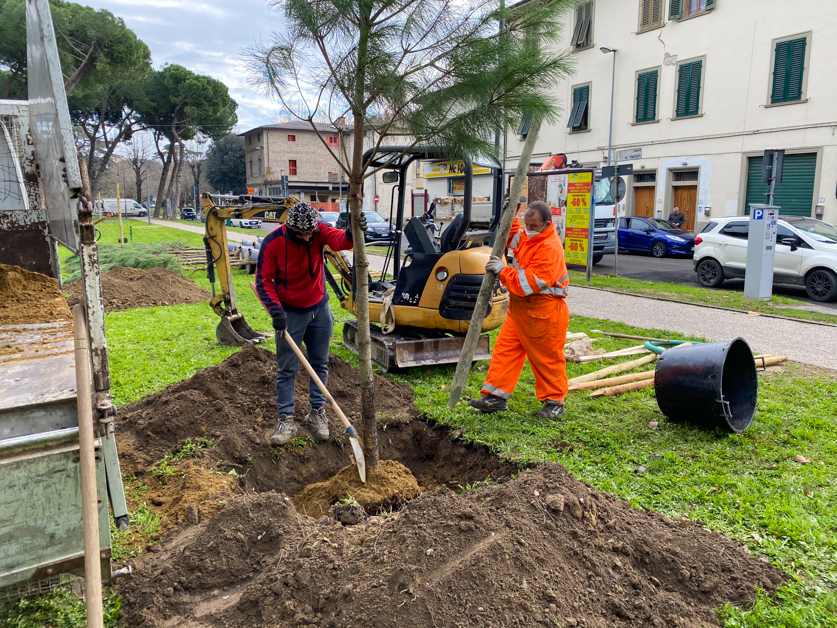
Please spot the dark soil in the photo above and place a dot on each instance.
(542, 549)
(124, 288)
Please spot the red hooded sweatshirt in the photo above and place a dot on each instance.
(290, 275)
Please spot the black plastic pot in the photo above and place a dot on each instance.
(712, 384)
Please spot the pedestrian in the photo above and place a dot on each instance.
(291, 286)
(676, 218)
(537, 318)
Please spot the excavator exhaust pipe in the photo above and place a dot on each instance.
(234, 331)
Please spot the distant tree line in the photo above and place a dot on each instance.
(114, 93)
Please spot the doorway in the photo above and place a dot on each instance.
(644, 201)
(685, 197)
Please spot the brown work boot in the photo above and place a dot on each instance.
(317, 423)
(490, 403)
(285, 430)
(551, 410)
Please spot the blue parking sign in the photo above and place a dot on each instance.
(758, 214)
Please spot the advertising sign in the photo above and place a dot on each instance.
(450, 169)
(556, 198)
(578, 236)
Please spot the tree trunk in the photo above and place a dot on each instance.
(361, 263)
(138, 179)
(177, 176)
(161, 188)
(175, 166)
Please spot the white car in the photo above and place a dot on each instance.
(245, 223)
(806, 254)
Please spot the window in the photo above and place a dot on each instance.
(579, 113)
(650, 14)
(645, 177)
(249, 139)
(251, 167)
(788, 71)
(639, 225)
(292, 138)
(583, 32)
(291, 167)
(737, 229)
(259, 138)
(679, 9)
(686, 175)
(332, 140)
(260, 166)
(523, 131)
(646, 96)
(689, 76)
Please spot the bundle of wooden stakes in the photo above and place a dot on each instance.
(603, 385)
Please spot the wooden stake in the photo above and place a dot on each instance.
(776, 359)
(628, 336)
(466, 357)
(87, 464)
(611, 381)
(617, 390)
(614, 354)
(612, 370)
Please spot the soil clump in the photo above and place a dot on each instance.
(540, 550)
(27, 297)
(391, 483)
(125, 288)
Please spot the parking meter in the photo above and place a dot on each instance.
(761, 247)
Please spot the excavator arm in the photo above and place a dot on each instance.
(233, 328)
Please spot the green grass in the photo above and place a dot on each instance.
(695, 294)
(60, 608)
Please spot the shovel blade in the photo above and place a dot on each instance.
(360, 461)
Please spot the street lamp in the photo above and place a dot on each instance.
(607, 50)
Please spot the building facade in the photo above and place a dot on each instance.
(295, 150)
(701, 88)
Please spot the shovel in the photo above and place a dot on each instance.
(360, 461)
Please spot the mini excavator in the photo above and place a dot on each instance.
(422, 315)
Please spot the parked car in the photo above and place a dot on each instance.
(377, 229)
(245, 223)
(187, 213)
(805, 255)
(654, 236)
(330, 217)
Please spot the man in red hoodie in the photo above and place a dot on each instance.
(291, 286)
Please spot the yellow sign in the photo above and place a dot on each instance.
(450, 169)
(577, 239)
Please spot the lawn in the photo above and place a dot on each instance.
(745, 486)
(708, 296)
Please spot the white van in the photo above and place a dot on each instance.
(130, 208)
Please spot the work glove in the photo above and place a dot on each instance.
(495, 265)
(362, 224)
(280, 321)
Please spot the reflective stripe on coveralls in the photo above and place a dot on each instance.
(537, 319)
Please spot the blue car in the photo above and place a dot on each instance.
(655, 236)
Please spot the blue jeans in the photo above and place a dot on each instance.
(315, 330)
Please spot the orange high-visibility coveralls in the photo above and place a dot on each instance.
(537, 319)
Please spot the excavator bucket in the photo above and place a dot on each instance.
(234, 331)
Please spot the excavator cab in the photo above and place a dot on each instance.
(423, 313)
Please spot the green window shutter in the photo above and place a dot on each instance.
(796, 67)
(579, 20)
(710, 4)
(795, 194)
(523, 131)
(788, 71)
(646, 96)
(675, 10)
(582, 38)
(641, 97)
(688, 89)
(578, 118)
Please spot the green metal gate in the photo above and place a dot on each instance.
(795, 194)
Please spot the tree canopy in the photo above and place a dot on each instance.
(224, 166)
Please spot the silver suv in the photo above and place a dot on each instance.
(806, 254)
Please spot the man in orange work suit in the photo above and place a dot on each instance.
(536, 324)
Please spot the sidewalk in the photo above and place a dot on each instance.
(805, 342)
(198, 228)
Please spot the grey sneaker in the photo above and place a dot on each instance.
(285, 430)
(490, 403)
(551, 410)
(317, 423)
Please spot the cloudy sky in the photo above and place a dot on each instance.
(207, 37)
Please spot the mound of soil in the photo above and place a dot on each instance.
(27, 297)
(540, 550)
(124, 288)
(392, 482)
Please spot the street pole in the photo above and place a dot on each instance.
(147, 199)
(612, 92)
(607, 50)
